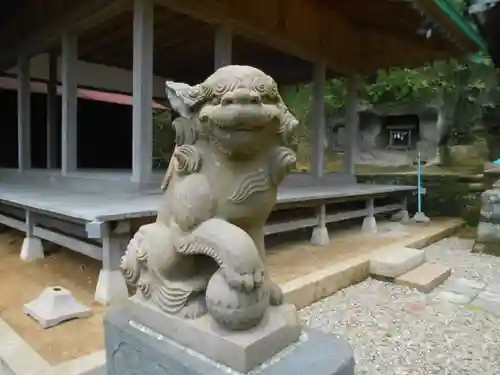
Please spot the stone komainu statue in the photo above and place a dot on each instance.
(205, 252)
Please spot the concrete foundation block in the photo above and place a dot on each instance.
(320, 236)
(369, 225)
(420, 217)
(402, 216)
(111, 288)
(54, 306)
(396, 262)
(405, 216)
(488, 232)
(134, 348)
(424, 278)
(32, 249)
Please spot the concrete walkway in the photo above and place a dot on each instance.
(18, 358)
(474, 294)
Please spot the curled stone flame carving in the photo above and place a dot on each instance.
(188, 159)
(250, 184)
(282, 159)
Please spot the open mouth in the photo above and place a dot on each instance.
(241, 118)
(243, 127)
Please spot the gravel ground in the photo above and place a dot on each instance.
(395, 330)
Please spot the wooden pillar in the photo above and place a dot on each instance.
(23, 114)
(69, 119)
(142, 117)
(52, 112)
(318, 120)
(223, 48)
(320, 235)
(351, 126)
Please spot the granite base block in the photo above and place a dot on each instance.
(133, 349)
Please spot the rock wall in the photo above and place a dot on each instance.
(447, 195)
(372, 138)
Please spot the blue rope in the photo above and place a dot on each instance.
(419, 183)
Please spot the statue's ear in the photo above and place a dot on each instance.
(182, 97)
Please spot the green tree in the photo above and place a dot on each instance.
(460, 92)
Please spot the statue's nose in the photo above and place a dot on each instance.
(241, 96)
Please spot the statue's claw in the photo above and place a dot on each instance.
(194, 309)
(243, 281)
(276, 294)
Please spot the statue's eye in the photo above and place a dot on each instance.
(215, 100)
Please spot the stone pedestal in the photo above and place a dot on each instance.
(488, 229)
(138, 343)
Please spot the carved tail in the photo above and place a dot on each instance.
(230, 246)
(134, 259)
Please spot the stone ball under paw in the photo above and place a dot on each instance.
(232, 309)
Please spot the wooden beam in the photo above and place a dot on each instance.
(52, 125)
(23, 114)
(223, 45)
(69, 105)
(63, 240)
(432, 10)
(318, 119)
(301, 35)
(82, 16)
(120, 46)
(116, 30)
(351, 125)
(384, 51)
(142, 114)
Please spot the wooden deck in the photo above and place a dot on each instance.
(109, 206)
(103, 197)
(95, 214)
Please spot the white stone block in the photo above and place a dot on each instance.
(54, 306)
(369, 225)
(457, 298)
(466, 287)
(320, 236)
(493, 288)
(420, 217)
(32, 249)
(396, 262)
(488, 301)
(402, 216)
(425, 277)
(111, 288)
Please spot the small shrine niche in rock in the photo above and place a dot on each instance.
(402, 131)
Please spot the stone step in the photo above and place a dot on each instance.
(470, 288)
(488, 301)
(425, 277)
(396, 262)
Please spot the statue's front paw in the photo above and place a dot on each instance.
(275, 294)
(194, 309)
(244, 281)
